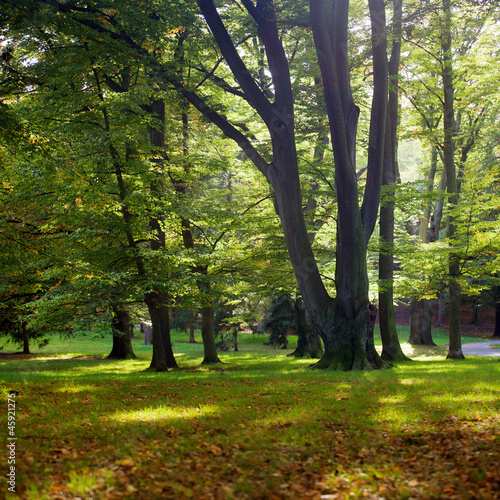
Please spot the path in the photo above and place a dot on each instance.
(482, 349)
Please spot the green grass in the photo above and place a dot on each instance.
(261, 425)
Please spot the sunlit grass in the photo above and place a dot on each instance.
(260, 425)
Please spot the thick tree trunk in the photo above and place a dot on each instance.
(163, 355)
(122, 338)
(420, 320)
(207, 334)
(308, 340)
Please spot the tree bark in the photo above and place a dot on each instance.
(391, 348)
(207, 334)
(426, 216)
(163, 355)
(420, 322)
(349, 345)
(191, 328)
(122, 338)
(440, 310)
(496, 333)
(455, 344)
(207, 310)
(157, 302)
(421, 309)
(161, 331)
(26, 343)
(308, 340)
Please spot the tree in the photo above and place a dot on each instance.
(342, 322)
(280, 319)
(455, 345)
(122, 340)
(444, 41)
(391, 348)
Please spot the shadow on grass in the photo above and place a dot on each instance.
(255, 431)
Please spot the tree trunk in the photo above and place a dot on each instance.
(163, 355)
(148, 334)
(426, 216)
(349, 346)
(308, 340)
(455, 345)
(496, 333)
(207, 334)
(191, 328)
(122, 338)
(26, 343)
(440, 310)
(475, 314)
(421, 316)
(391, 348)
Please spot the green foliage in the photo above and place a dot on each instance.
(81, 182)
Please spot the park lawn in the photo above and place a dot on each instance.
(261, 425)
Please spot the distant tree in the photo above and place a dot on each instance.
(281, 319)
(122, 339)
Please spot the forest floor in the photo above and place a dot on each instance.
(259, 426)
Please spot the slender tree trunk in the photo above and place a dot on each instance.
(440, 310)
(496, 333)
(438, 209)
(26, 344)
(157, 138)
(455, 344)
(421, 309)
(475, 314)
(391, 348)
(163, 357)
(426, 216)
(122, 338)
(191, 328)
(207, 311)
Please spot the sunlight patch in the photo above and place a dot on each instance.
(164, 412)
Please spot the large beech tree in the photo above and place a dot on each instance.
(344, 321)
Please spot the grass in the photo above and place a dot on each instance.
(259, 426)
